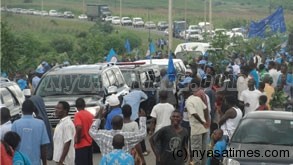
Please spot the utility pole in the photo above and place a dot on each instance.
(120, 9)
(205, 15)
(270, 7)
(210, 14)
(42, 5)
(185, 27)
(170, 38)
(149, 28)
(83, 6)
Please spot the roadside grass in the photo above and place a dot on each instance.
(45, 29)
(156, 10)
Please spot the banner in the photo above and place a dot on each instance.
(275, 21)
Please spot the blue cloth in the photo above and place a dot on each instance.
(254, 75)
(201, 73)
(171, 69)
(289, 79)
(110, 55)
(22, 84)
(35, 82)
(20, 159)
(275, 21)
(133, 99)
(33, 134)
(117, 157)
(114, 112)
(219, 147)
(152, 47)
(127, 46)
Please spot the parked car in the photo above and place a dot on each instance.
(82, 17)
(11, 97)
(116, 20)
(192, 35)
(166, 32)
(150, 25)
(44, 13)
(68, 14)
(137, 22)
(262, 134)
(108, 18)
(126, 21)
(60, 14)
(163, 63)
(91, 82)
(162, 25)
(53, 13)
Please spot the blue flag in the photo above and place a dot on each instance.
(275, 21)
(171, 71)
(152, 47)
(111, 57)
(127, 46)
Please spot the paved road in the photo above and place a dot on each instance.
(150, 159)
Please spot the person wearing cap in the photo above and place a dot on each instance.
(115, 110)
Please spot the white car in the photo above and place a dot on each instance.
(44, 13)
(108, 19)
(193, 35)
(53, 13)
(126, 21)
(82, 17)
(166, 32)
(68, 14)
(137, 22)
(150, 25)
(116, 20)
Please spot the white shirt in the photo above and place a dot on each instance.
(162, 112)
(275, 75)
(130, 127)
(230, 125)
(241, 85)
(195, 105)
(64, 132)
(4, 128)
(236, 69)
(258, 60)
(250, 97)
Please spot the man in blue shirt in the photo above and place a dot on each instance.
(115, 110)
(117, 156)
(133, 99)
(34, 137)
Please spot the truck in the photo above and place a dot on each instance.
(97, 11)
(178, 27)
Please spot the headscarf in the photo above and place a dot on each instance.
(41, 114)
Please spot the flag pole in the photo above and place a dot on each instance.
(170, 27)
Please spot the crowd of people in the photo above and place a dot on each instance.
(197, 113)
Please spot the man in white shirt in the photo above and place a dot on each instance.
(199, 123)
(273, 73)
(64, 152)
(161, 113)
(249, 97)
(5, 121)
